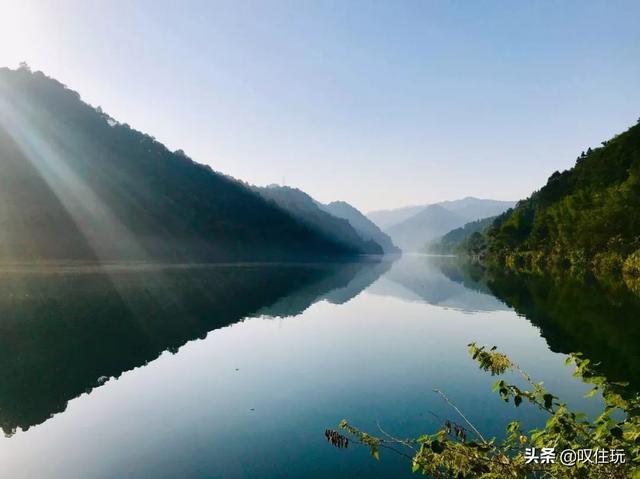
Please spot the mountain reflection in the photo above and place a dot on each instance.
(597, 317)
(437, 280)
(64, 330)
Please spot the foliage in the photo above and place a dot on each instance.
(466, 239)
(631, 265)
(449, 454)
(580, 215)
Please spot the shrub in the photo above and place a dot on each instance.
(461, 451)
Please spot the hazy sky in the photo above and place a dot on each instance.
(381, 104)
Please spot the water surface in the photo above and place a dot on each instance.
(235, 371)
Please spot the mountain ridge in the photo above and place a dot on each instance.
(311, 213)
(366, 228)
(78, 185)
(389, 217)
(435, 220)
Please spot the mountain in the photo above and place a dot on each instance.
(469, 207)
(423, 224)
(586, 216)
(430, 223)
(78, 185)
(366, 228)
(309, 212)
(387, 218)
(477, 208)
(458, 240)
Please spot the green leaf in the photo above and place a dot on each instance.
(375, 453)
(592, 392)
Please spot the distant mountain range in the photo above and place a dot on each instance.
(318, 217)
(75, 184)
(338, 220)
(413, 227)
(430, 223)
(387, 218)
(78, 185)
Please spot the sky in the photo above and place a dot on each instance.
(381, 104)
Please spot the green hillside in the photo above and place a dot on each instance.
(78, 185)
(587, 216)
(466, 238)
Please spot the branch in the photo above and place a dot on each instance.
(399, 441)
(477, 433)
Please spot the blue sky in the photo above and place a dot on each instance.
(381, 104)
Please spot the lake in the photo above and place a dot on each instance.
(235, 371)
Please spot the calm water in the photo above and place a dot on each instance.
(236, 371)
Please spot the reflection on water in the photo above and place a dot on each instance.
(235, 371)
(439, 281)
(600, 318)
(65, 332)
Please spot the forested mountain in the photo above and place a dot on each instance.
(460, 239)
(421, 225)
(310, 213)
(366, 228)
(588, 215)
(76, 184)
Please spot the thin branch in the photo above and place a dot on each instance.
(477, 433)
(385, 446)
(399, 441)
(464, 452)
(442, 421)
